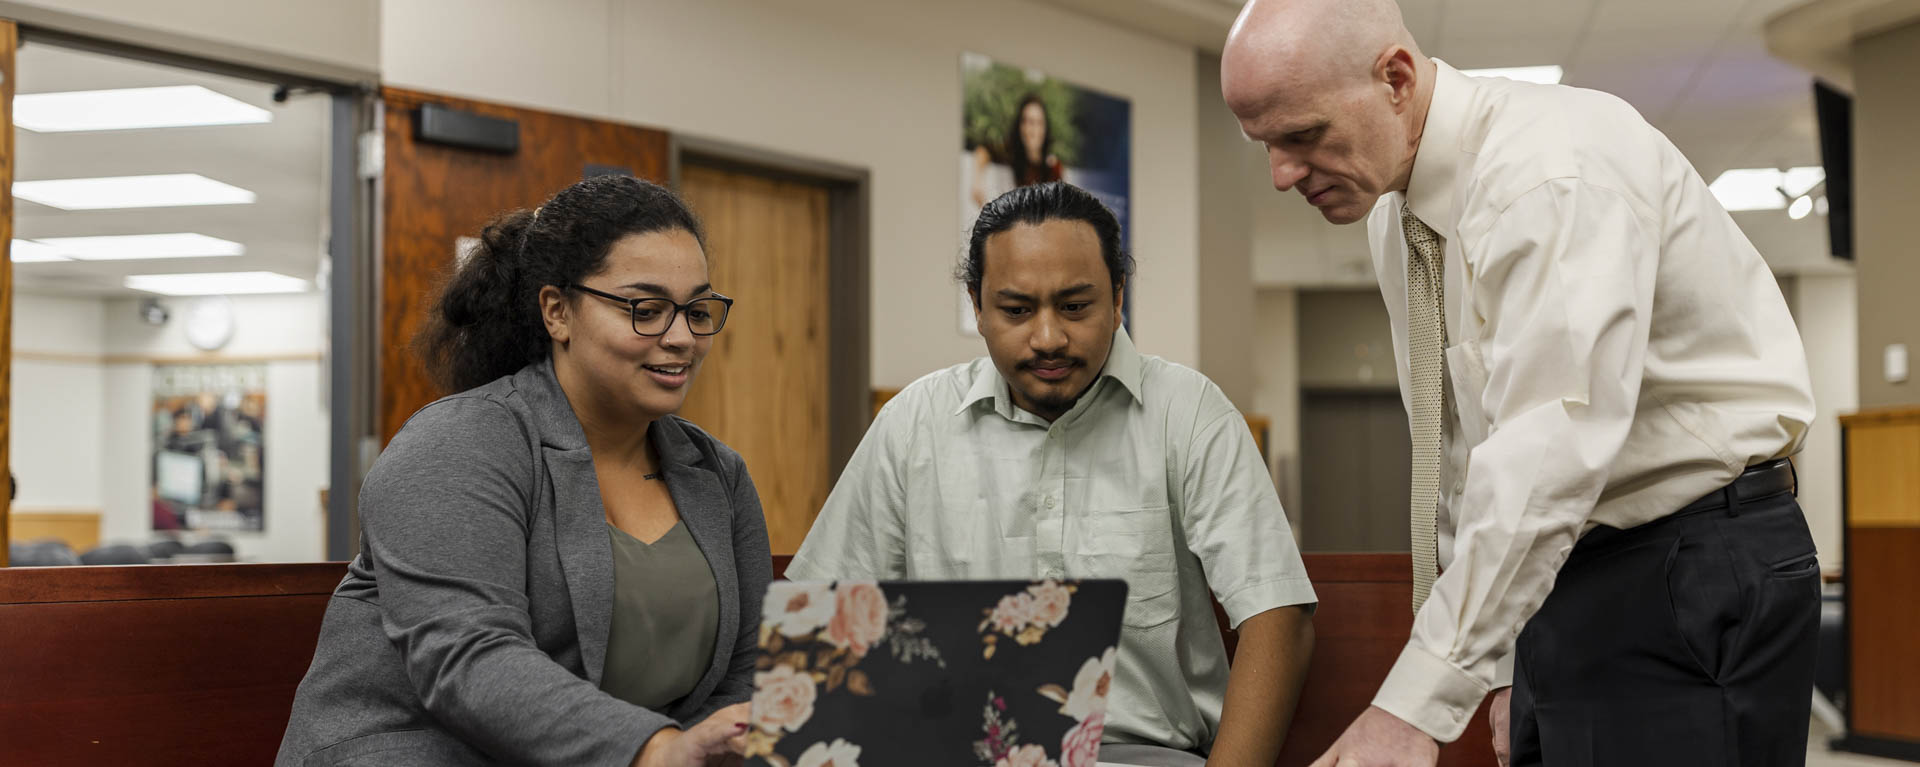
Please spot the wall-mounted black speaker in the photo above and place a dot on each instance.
(441, 124)
(1833, 110)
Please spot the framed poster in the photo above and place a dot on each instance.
(209, 423)
(1021, 126)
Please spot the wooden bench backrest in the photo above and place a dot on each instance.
(155, 665)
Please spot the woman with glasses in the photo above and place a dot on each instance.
(554, 568)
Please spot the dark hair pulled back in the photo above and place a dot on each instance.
(1038, 204)
(486, 323)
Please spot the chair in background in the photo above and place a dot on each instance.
(164, 549)
(41, 554)
(209, 547)
(115, 554)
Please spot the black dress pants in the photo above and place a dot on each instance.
(1685, 641)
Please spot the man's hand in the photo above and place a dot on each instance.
(1380, 739)
(1499, 718)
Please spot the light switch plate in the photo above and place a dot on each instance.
(1894, 363)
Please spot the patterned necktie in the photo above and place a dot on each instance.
(1426, 351)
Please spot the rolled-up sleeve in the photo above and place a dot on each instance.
(1564, 282)
(1232, 518)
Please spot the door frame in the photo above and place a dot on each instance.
(849, 299)
(351, 245)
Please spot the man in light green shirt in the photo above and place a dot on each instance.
(1068, 454)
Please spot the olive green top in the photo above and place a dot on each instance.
(666, 613)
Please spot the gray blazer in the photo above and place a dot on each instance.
(472, 628)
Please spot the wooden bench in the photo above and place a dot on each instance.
(154, 665)
(197, 664)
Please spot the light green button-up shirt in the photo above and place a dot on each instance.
(1152, 477)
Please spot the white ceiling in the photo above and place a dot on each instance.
(283, 162)
(1697, 69)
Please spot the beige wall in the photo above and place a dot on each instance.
(340, 33)
(1228, 333)
(1824, 309)
(1886, 159)
(868, 83)
(1276, 387)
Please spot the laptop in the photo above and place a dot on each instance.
(928, 674)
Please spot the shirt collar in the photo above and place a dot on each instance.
(1437, 161)
(1124, 365)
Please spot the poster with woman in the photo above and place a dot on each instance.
(209, 424)
(1019, 126)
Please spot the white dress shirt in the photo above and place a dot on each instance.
(1151, 477)
(1619, 350)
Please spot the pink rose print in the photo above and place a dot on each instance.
(798, 609)
(859, 618)
(1050, 601)
(782, 699)
(1027, 756)
(1081, 746)
(1090, 687)
(1013, 613)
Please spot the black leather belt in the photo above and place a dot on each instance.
(1758, 481)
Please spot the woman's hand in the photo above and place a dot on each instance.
(718, 736)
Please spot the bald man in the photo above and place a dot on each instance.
(1603, 385)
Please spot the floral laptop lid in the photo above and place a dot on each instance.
(929, 674)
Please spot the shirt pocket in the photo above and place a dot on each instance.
(1467, 374)
(1135, 545)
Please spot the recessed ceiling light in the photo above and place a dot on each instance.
(1763, 188)
(1544, 75)
(175, 106)
(1801, 206)
(163, 191)
(30, 252)
(128, 247)
(216, 284)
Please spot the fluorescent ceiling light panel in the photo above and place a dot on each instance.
(1799, 181)
(1546, 75)
(1763, 188)
(175, 106)
(30, 252)
(128, 247)
(163, 191)
(217, 284)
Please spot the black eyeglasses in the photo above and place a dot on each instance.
(653, 316)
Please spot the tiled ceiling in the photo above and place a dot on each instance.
(283, 162)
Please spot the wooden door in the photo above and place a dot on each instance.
(764, 388)
(436, 194)
(9, 42)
